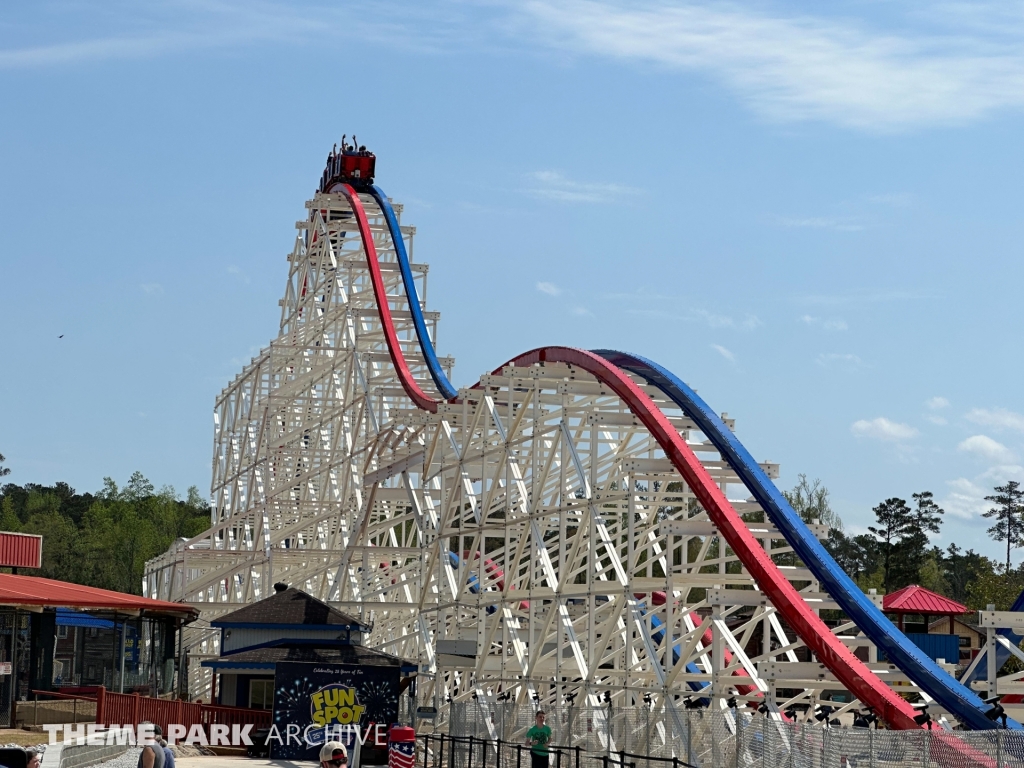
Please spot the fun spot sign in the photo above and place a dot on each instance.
(314, 703)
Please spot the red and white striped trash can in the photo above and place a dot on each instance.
(401, 747)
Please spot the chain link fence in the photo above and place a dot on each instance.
(642, 737)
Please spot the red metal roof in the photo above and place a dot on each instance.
(20, 550)
(915, 599)
(33, 591)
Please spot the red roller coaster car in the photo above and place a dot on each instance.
(354, 167)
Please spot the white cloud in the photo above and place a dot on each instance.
(846, 360)
(956, 63)
(869, 298)
(1000, 418)
(551, 185)
(987, 448)
(724, 352)
(936, 420)
(828, 324)
(1000, 473)
(714, 320)
(839, 224)
(965, 500)
(965, 64)
(883, 429)
(893, 199)
(549, 288)
(182, 28)
(936, 403)
(238, 272)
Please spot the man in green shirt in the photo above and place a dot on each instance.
(538, 738)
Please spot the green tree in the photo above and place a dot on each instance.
(857, 555)
(61, 545)
(895, 522)
(910, 555)
(106, 539)
(927, 515)
(1009, 525)
(962, 569)
(811, 502)
(8, 517)
(999, 589)
(4, 471)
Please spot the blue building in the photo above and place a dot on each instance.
(290, 625)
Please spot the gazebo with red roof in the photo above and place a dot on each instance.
(918, 600)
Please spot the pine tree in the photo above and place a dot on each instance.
(895, 523)
(1009, 526)
(927, 515)
(910, 554)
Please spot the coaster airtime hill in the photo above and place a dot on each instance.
(576, 523)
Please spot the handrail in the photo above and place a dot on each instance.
(496, 744)
(56, 695)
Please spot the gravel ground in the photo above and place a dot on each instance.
(37, 747)
(130, 759)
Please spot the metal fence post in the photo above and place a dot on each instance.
(689, 736)
(739, 736)
(764, 740)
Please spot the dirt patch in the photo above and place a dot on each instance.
(22, 738)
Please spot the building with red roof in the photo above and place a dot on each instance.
(919, 613)
(63, 637)
(923, 602)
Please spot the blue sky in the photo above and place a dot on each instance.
(811, 213)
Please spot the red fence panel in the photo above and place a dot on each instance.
(235, 716)
(132, 709)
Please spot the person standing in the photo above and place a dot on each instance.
(538, 738)
(168, 754)
(152, 755)
(333, 754)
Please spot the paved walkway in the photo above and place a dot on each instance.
(215, 761)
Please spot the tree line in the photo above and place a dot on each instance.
(101, 539)
(104, 539)
(897, 551)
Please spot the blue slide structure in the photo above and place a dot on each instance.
(963, 703)
(436, 372)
